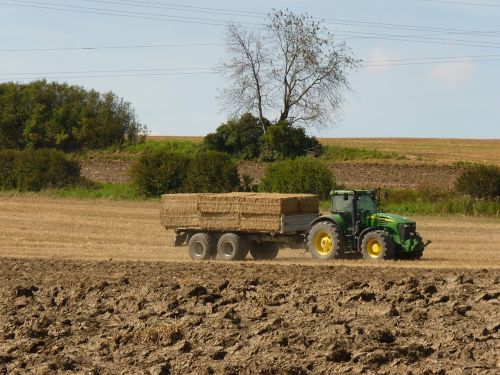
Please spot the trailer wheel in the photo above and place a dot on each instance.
(324, 241)
(377, 245)
(201, 246)
(264, 250)
(232, 247)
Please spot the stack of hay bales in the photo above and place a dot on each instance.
(259, 212)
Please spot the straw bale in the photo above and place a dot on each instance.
(259, 222)
(233, 211)
(219, 221)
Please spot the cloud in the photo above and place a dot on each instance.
(378, 57)
(453, 74)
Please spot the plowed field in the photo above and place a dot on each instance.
(89, 287)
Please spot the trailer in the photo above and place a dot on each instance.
(229, 226)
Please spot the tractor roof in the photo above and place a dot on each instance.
(352, 192)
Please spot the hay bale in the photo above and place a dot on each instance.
(260, 222)
(234, 211)
(219, 221)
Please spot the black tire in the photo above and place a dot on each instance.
(201, 246)
(232, 247)
(412, 255)
(377, 245)
(324, 241)
(264, 250)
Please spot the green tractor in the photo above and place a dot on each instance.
(355, 228)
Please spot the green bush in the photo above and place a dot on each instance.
(240, 137)
(160, 172)
(283, 141)
(212, 172)
(40, 114)
(7, 161)
(301, 175)
(480, 181)
(34, 170)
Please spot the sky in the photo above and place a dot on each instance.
(436, 72)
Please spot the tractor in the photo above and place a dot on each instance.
(355, 228)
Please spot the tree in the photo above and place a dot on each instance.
(294, 68)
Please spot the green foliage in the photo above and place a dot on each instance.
(301, 175)
(54, 115)
(98, 191)
(244, 138)
(7, 177)
(160, 172)
(337, 153)
(240, 138)
(171, 146)
(283, 141)
(212, 172)
(34, 170)
(480, 181)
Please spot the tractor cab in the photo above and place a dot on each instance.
(353, 206)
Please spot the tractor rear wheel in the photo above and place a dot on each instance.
(377, 245)
(201, 246)
(264, 250)
(324, 241)
(232, 246)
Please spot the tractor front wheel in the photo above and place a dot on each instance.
(377, 245)
(324, 241)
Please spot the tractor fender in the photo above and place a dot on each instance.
(324, 218)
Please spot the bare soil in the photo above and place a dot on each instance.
(90, 287)
(212, 318)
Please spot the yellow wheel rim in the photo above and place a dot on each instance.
(373, 248)
(323, 243)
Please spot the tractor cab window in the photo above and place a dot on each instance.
(367, 203)
(340, 204)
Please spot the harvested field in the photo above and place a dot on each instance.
(442, 151)
(89, 287)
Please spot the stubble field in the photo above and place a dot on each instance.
(90, 287)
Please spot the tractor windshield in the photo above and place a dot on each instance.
(367, 203)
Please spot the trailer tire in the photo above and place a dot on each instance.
(264, 250)
(201, 246)
(232, 246)
(324, 241)
(377, 245)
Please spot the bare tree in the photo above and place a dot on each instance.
(244, 66)
(294, 68)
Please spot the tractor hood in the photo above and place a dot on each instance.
(383, 218)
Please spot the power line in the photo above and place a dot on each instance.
(461, 3)
(112, 47)
(110, 71)
(218, 22)
(212, 70)
(119, 13)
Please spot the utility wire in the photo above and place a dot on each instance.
(212, 70)
(173, 18)
(461, 3)
(112, 47)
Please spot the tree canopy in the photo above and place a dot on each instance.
(56, 115)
